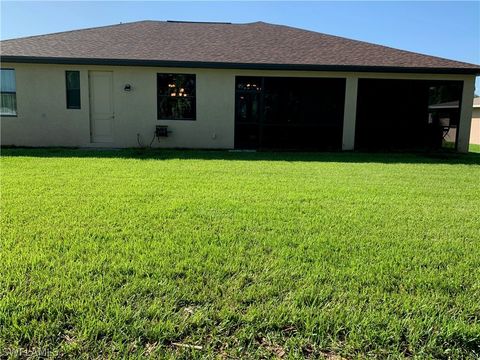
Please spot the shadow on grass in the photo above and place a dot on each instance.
(164, 154)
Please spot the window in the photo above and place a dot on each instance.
(8, 93)
(176, 97)
(248, 99)
(72, 79)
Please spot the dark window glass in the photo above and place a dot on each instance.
(8, 93)
(73, 89)
(304, 101)
(176, 96)
(289, 113)
(426, 118)
(248, 108)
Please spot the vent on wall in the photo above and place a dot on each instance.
(161, 131)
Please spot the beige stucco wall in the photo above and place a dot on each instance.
(475, 130)
(44, 120)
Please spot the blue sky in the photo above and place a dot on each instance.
(446, 29)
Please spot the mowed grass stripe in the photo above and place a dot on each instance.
(126, 253)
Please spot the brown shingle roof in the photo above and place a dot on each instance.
(215, 44)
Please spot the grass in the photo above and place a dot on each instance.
(474, 148)
(135, 253)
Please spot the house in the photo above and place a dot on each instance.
(475, 130)
(227, 86)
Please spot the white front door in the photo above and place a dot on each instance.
(101, 106)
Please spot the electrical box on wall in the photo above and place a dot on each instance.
(161, 131)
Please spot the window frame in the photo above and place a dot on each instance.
(70, 107)
(11, 92)
(194, 97)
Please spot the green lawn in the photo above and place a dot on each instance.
(135, 253)
(474, 148)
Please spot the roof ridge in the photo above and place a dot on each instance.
(76, 30)
(199, 22)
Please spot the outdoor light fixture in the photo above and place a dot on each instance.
(127, 87)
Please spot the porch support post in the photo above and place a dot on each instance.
(463, 131)
(350, 113)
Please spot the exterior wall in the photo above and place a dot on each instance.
(44, 120)
(350, 113)
(475, 130)
(464, 125)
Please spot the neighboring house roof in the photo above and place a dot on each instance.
(454, 104)
(253, 45)
(446, 105)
